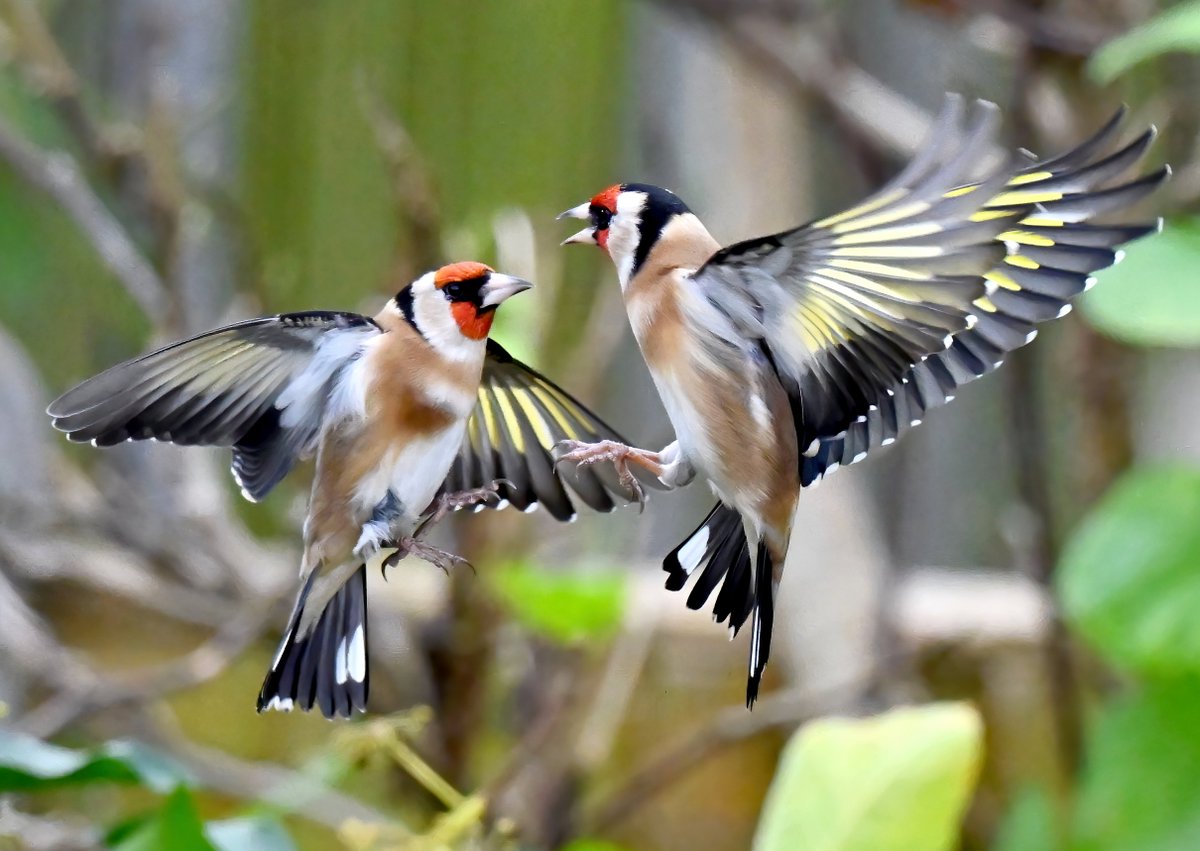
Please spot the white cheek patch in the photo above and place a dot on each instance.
(433, 318)
(431, 311)
(624, 233)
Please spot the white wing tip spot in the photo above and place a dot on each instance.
(914, 423)
(1118, 256)
(1031, 336)
(1089, 282)
(887, 441)
(1066, 308)
(858, 457)
(279, 704)
(812, 449)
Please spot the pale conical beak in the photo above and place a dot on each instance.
(583, 211)
(500, 287)
(587, 236)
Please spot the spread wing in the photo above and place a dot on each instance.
(518, 419)
(1052, 254)
(257, 386)
(846, 306)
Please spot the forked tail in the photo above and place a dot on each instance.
(717, 550)
(327, 666)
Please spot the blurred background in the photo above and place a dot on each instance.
(1025, 566)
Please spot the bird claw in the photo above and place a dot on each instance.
(579, 452)
(448, 502)
(439, 558)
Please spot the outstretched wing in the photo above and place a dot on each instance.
(1052, 254)
(846, 306)
(518, 419)
(257, 386)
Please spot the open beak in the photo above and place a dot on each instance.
(499, 287)
(587, 236)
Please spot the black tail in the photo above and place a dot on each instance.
(328, 665)
(717, 550)
(764, 620)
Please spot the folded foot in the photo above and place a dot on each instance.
(445, 503)
(437, 557)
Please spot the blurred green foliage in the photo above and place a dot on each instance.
(565, 607)
(506, 102)
(1130, 578)
(1176, 29)
(1130, 584)
(1141, 785)
(28, 765)
(1151, 297)
(896, 782)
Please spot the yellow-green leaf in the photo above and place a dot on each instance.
(1175, 30)
(896, 782)
(564, 606)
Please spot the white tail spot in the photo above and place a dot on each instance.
(357, 655)
(691, 552)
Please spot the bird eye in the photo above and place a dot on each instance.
(601, 217)
(453, 291)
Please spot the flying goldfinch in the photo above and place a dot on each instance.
(410, 414)
(781, 357)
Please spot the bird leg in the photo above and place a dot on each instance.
(620, 455)
(443, 504)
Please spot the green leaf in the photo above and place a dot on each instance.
(1029, 824)
(1129, 579)
(1141, 783)
(251, 833)
(1175, 30)
(563, 606)
(1151, 298)
(175, 827)
(592, 845)
(896, 782)
(28, 765)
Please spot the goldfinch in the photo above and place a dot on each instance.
(409, 414)
(781, 357)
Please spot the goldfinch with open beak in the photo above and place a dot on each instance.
(779, 358)
(410, 414)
